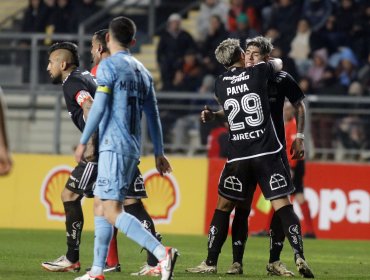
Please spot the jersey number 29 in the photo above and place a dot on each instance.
(250, 104)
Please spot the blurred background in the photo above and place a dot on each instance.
(324, 45)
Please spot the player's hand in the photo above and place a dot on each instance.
(5, 162)
(80, 149)
(163, 165)
(297, 149)
(207, 115)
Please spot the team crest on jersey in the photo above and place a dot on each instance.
(51, 189)
(139, 184)
(277, 181)
(233, 183)
(163, 196)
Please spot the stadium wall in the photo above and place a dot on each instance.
(184, 202)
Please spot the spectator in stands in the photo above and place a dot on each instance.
(346, 72)
(243, 30)
(236, 8)
(351, 134)
(300, 46)
(189, 75)
(360, 35)
(288, 63)
(35, 17)
(207, 9)
(188, 127)
(316, 70)
(173, 44)
(317, 12)
(85, 9)
(216, 34)
(364, 76)
(346, 14)
(329, 36)
(5, 159)
(63, 19)
(284, 17)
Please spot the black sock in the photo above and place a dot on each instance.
(239, 233)
(74, 224)
(277, 237)
(217, 235)
(292, 229)
(137, 210)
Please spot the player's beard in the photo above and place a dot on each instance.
(56, 80)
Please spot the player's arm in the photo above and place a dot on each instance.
(297, 150)
(295, 95)
(208, 115)
(155, 130)
(102, 96)
(85, 101)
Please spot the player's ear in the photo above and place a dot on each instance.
(107, 37)
(63, 65)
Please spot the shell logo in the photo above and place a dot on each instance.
(51, 189)
(163, 196)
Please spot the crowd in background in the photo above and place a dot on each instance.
(324, 45)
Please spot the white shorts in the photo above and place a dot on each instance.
(115, 173)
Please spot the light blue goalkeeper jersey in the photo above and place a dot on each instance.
(125, 89)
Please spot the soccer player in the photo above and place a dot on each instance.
(125, 90)
(79, 89)
(132, 203)
(5, 159)
(240, 174)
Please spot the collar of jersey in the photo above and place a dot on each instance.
(67, 77)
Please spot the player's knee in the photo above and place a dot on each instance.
(68, 195)
(225, 205)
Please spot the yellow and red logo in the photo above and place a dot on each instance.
(51, 190)
(163, 196)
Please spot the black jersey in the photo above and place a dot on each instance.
(280, 87)
(76, 87)
(242, 92)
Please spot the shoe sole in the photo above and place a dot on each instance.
(73, 270)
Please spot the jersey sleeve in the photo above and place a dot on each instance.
(154, 124)
(289, 86)
(265, 69)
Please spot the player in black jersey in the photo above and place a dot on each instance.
(233, 182)
(78, 88)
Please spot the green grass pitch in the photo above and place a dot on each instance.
(22, 251)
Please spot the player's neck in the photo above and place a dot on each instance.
(117, 48)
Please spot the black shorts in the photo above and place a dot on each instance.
(298, 174)
(82, 179)
(239, 179)
(137, 187)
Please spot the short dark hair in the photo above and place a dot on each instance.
(263, 43)
(123, 30)
(72, 48)
(100, 36)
